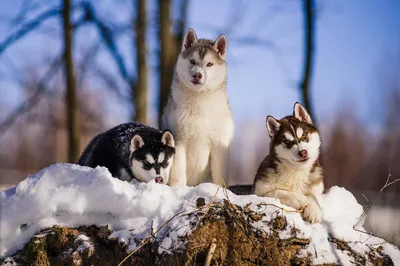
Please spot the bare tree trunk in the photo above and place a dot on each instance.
(309, 19)
(139, 90)
(182, 24)
(71, 101)
(170, 48)
(166, 55)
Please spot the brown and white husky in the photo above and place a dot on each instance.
(291, 172)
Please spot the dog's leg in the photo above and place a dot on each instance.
(291, 199)
(178, 169)
(220, 164)
(313, 212)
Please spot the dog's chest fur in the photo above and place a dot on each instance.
(202, 116)
(276, 175)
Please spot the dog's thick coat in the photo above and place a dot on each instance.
(132, 152)
(198, 112)
(291, 171)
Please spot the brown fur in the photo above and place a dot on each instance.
(271, 161)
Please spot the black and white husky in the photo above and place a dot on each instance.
(132, 152)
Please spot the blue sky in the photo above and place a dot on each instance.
(353, 40)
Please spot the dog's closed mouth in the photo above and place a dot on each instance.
(196, 82)
(303, 160)
(159, 180)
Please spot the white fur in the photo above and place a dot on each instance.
(203, 128)
(288, 136)
(212, 77)
(301, 113)
(313, 211)
(144, 175)
(291, 155)
(291, 187)
(161, 157)
(272, 125)
(299, 132)
(292, 182)
(165, 172)
(168, 139)
(136, 143)
(200, 118)
(150, 158)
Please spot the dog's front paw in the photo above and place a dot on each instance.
(313, 213)
(298, 201)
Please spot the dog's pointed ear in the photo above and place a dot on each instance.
(189, 40)
(167, 138)
(221, 44)
(301, 113)
(136, 143)
(273, 126)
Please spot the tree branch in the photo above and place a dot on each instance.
(108, 38)
(27, 27)
(34, 99)
(308, 9)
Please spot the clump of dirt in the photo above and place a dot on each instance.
(72, 246)
(237, 241)
(279, 223)
(375, 256)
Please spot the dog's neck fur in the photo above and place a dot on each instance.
(205, 105)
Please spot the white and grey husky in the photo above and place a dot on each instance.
(132, 152)
(291, 172)
(198, 112)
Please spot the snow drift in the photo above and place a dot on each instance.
(71, 196)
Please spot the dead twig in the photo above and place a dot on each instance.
(371, 203)
(147, 240)
(211, 251)
(281, 208)
(212, 201)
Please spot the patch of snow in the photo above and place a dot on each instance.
(165, 245)
(71, 195)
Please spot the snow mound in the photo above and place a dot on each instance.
(70, 195)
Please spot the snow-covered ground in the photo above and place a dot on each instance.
(71, 195)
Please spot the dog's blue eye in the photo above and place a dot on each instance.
(210, 64)
(192, 62)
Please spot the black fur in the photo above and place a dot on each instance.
(111, 148)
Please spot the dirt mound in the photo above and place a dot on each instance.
(72, 246)
(223, 234)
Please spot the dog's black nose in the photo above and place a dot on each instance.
(303, 154)
(197, 76)
(159, 180)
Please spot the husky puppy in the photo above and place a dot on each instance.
(132, 152)
(198, 112)
(291, 172)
